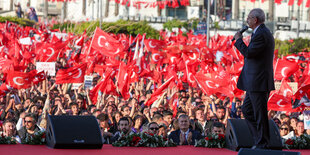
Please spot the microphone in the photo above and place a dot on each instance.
(241, 31)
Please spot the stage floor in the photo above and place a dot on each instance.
(110, 150)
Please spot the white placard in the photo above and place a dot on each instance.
(193, 12)
(49, 67)
(88, 82)
(63, 36)
(76, 85)
(307, 119)
(25, 41)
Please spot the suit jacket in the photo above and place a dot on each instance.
(257, 72)
(175, 136)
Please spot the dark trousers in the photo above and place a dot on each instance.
(254, 109)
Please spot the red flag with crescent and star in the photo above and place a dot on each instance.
(19, 80)
(71, 75)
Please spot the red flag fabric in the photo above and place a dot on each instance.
(299, 2)
(105, 86)
(19, 80)
(122, 81)
(39, 77)
(159, 91)
(308, 3)
(206, 84)
(5, 64)
(71, 75)
(284, 69)
(154, 44)
(285, 89)
(49, 52)
(290, 2)
(4, 88)
(279, 103)
(107, 44)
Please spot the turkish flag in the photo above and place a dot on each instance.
(71, 75)
(236, 68)
(39, 77)
(49, 52)
(279, 103)
(19, 80)
(122, 80)
(157, 57)
(105, 43)
(159, 91)
(190, 77)
(285, 89)
(284, 69)
(208, 85)
(154, 44)
(105, 86)
(299, 2)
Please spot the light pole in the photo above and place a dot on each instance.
(208, 23)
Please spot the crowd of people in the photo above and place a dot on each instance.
(24, 112)
(29, 13)
(183, 113)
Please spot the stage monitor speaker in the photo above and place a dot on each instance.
(73, 132)
(245, 151)
(238, 135)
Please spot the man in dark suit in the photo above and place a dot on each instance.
(256, 77)
(184, 135)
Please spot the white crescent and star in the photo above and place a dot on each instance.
(286, 91)
(99, 40)
(208, 84)
(194, 57)
(278, 103)
(125, 76)
(80, 73)
(189, 78)
(154, 57)
(150, 44)
(18, 83)
(283, 71)
(133, 75)
(172, 59)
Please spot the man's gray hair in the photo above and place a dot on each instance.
(259, 14)
(184, 116)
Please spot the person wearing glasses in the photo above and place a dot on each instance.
(29, 127)
(285, 131)
(153, 128)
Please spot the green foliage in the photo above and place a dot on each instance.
(175, 24)
(20, 21)
(212, 141)
(143, 139)
(190, 24)
(302, 142)
(120, 26)
(292, 46)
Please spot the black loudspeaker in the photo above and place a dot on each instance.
(73, 132)
(238, 135)
(245, 151)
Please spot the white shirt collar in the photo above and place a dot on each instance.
(256, 29)
(186, 133)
